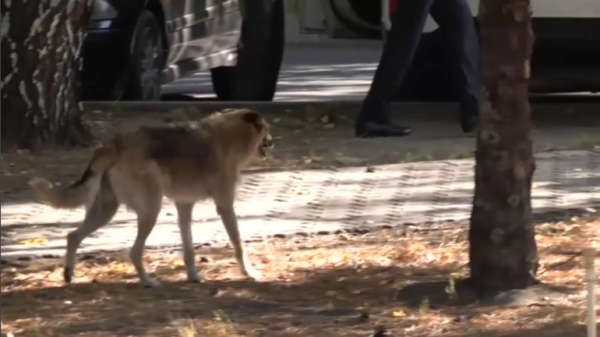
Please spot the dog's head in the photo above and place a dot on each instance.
(246, 129)
(262, 128)
(266, 144)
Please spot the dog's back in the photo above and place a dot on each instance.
(182, 162)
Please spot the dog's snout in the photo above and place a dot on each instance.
(268, 142)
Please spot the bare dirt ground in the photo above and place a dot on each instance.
(347, 284)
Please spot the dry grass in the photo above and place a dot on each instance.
(335, 285)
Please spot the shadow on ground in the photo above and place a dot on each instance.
(55, 233)
(380, 281)
(276, 309)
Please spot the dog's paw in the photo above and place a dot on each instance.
(195, 278)
(149, 282)
(253, 274)
(67, 275)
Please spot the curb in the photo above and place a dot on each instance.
(564, 112)
(334, 43)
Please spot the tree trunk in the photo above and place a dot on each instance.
(503, 252)
(41, 45)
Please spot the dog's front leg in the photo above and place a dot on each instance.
(229, 218)
(184, 215)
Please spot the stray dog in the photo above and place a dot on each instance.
(185, 164)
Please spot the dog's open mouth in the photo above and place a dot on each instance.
(262, 152)
(267, 144)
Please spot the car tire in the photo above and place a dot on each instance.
(260, 54)
(143, 75)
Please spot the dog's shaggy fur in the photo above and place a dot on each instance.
(185, 164)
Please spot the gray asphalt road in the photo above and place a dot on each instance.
(324, 71)
(310, 72)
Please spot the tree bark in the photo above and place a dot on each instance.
(41, 46)
(503, 251)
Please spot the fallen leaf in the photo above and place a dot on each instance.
(399, 313)
(35, 241)
(479, 321)
(424, 307)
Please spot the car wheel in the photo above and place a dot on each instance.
(260, 53)
(146, 61)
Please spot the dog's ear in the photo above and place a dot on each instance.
(254, 118)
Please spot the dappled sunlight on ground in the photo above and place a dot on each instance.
(331, 285)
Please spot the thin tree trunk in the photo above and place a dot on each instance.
(41, 45)
(503, 252)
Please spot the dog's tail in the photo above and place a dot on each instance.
(83, 191)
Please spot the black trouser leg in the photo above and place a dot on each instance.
(275, 48)
(456, 23)
(407, 26)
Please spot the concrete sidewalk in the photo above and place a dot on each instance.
(291, 202)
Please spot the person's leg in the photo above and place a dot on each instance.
(456, 21)
(274, 50)
(407, 26)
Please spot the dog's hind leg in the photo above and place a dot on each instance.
(229, 218)
(147, 209)
(99, 214)
(184, 215)
(146, 221)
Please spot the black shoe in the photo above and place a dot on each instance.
(373, 130)
(470, 134)
(469, 129)
(468, 125)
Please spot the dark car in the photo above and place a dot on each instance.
(134, 46)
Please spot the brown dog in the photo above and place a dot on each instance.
(185, 164)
